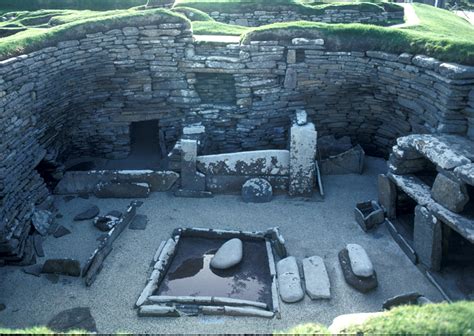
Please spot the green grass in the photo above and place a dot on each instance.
(306, 329)
(433, 319)
(76, 25)
(217, 28)
(441, 34)
(37, 331)
(30, 5)
(239, 6)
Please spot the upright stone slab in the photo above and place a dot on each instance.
(302, 157)
(387, 192)
(191, 179)
(427, 238)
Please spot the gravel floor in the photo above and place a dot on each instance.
(311, 227)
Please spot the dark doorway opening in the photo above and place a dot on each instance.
(144, 138)
(405, 221)
(47, 172)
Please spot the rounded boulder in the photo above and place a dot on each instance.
(257, 190)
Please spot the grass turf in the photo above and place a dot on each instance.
(441, 34)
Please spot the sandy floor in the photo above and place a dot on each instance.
(311, 227)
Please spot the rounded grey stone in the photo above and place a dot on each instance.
(228, 255)
(257, 190)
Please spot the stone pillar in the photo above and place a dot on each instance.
(387, 192)
(193, 183)
(427, 238)
(302, 156)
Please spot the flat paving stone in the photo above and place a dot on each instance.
(289, 280)
(316, 278)
(79, 318)
(89, 213)
(61, 231)
(139, 223)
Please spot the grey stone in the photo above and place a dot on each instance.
(122, 190)
(62, 266)
(465, 173)
(360, 262)
(387, 195)
(228, 255)
(42, 220)
(362, 284)
(2, 307)
(257, 190)
(302, 159)
(38, 245)
(89, 213)
(61, 231)
(427, 236)
(349, 162)
(399, 300)
(157, 310)
(106, 223)
(316, 278)
(368, 215)
(79, 318)
(449, 193)
(289, 280)
(139, 223)
(328, 145)
(33, 270)
(291, 78)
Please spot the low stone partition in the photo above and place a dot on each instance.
(86, 182)
(250, 17)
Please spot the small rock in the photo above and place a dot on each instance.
(360, 261)
(257, 190)
(62, 266)
(106, 223)
(228, 255)
(73, 319)
(38, 245)
(61, 231)
(42, 220)
(316, 278)
(399, 300)
(289, 280)
(362, 284)
(139, 223)
(33, 270)
(2, 307)
(87, 214)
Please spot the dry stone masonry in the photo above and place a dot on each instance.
(79, 98)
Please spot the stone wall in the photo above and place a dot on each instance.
(79, 97)
(257, 18)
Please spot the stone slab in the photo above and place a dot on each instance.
(427, 238)
(122, 190)
(362, 284)
(289, 280)
(361, 264)
(252, 163)
(79, 318)
(316, 278)
(349, 162)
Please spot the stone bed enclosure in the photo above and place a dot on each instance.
(81, 96)
(249, 17)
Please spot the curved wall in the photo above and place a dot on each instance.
(79, 98)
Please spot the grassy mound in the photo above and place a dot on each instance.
(441, 34)
(218, 28)
(240, 6)
(72, 25)
(433, 319)
(30, 5)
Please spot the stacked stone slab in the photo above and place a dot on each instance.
(444, 202)
(78, 98)
(281, 13)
